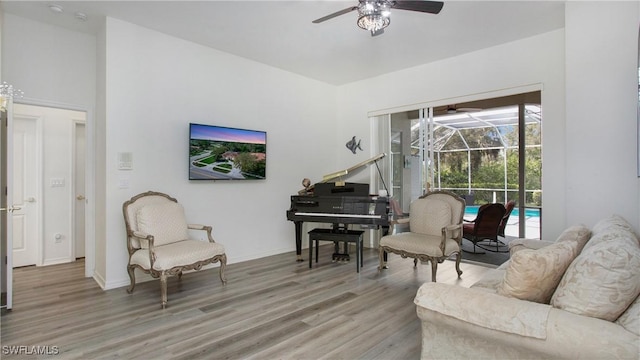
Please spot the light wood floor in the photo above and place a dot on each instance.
(271, 308)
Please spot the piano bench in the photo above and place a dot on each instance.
(346, 236)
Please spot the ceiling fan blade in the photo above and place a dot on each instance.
(432, 7)
(337, 13)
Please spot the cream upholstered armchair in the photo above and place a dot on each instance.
(435, 231)
(158, 240)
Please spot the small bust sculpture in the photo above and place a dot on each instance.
(306, 183)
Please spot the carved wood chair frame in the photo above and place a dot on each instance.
(165, 273)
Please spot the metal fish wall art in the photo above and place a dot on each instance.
(354, 145)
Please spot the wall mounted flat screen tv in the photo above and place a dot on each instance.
(224, 153)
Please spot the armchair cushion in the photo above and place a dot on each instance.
(166, 222)
(420, 244)
(433, 215)
(177, 254)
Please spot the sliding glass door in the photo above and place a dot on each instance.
(486, 154)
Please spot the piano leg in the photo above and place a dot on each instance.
(298, 225)
(385, 232)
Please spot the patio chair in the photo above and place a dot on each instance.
(503, 224)
(483, 230)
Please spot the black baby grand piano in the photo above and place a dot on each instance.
(338, 203)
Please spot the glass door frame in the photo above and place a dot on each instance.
(428, 157)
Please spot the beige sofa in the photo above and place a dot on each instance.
(574, 298)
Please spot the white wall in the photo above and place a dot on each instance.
(156, 85)
(49, 63)
(601, 117)
(100, 176)
(589, 148)
(53, 67)
(532, 63)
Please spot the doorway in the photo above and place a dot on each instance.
(58, 143)
(43, 167)
(57, 167)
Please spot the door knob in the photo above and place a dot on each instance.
(11, 209)
(80, 197)
(30, 199)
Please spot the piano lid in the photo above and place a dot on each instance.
(344, 172)
(308, 188)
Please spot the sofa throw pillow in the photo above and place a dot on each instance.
(611, 228)
(612, 222)
(435, 214)
(602, 281)
(166, 222)
(516, 245)
(533, 275)
(579, 234)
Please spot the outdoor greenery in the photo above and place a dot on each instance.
(487, 164)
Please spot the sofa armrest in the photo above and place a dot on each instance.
(485, 309)
(445, 327)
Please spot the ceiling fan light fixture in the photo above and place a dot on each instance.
(374, 15)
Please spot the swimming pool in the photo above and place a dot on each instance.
(472, 211)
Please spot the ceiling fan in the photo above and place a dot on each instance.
(374, 15)
(453, 109)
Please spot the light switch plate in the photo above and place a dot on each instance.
(57, 182)
(123, 183)
(125, 161)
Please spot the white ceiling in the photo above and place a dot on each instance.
(280, 33)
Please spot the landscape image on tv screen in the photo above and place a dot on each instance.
(223, 153)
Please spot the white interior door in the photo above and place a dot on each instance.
(24, 216)
(79, 189)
